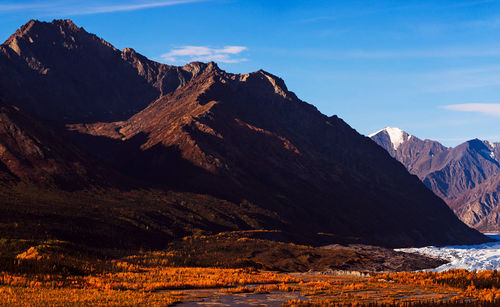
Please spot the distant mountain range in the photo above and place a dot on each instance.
(467, 176)
(101, 143)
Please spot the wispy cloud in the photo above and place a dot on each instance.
(362, 12)
(425, 80)
(357, 13)
(493, 22)
(21, 7)
(227, 54)
(99, 9)
(73, 8)
(383, 54)
(460, 79)
(419, 53)
(483, 108)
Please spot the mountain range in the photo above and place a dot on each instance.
(104, 146)
(467, 176)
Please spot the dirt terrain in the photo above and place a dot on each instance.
(250, 249)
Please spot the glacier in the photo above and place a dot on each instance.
(470, 257)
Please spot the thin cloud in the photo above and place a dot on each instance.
(21, 7)
(359, 13)
(381, 10)
(71, 8)
(444, 52)
(227, 54)
(460, 79)
(483, 23)
(131, 7)
(483, 108)
(422, 53)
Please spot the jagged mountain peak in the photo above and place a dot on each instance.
(197, 68)
(266, 82)
(23, 30)
(62, 62)
(36, 38)
(66, 23)
(129, 51)
(388, 129)
(196, 65)
(396, 135)
(478, 147)
(36, 27)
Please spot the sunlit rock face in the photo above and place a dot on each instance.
(467, 176)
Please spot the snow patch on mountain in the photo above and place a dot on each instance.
(491, 154)
(396, 135)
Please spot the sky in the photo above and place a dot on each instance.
(431, 68)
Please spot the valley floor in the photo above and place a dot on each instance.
(228, 269)
(242, 287)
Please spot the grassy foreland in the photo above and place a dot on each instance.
(61, 274)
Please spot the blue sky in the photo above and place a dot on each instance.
(431, 68)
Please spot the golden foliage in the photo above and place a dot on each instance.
(481, 285)
(137, 286)
(134, 281)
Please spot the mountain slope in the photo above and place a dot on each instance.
(249, 138)
(416, 154)
(462, 168)
(52, 189)
(33, 152)
(479, 207)
(74, 76)
(266, 159)
(465, 176)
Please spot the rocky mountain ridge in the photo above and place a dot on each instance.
(244, 140)
(101, 82)
(465, 176)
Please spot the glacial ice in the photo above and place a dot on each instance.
(470, 257)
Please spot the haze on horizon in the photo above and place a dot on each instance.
(431, 68)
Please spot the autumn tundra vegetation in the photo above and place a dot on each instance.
(60, 274)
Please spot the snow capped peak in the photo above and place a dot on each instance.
(492, 145)
(396, 135)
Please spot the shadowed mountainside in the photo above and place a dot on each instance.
(31, 151)
(275, 161)
(250, 138)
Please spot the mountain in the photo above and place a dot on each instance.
(262, 157)
(391, 138)
(479, 206)
(414, 153)
(75, 76)
(464, 176)
(31, 151)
